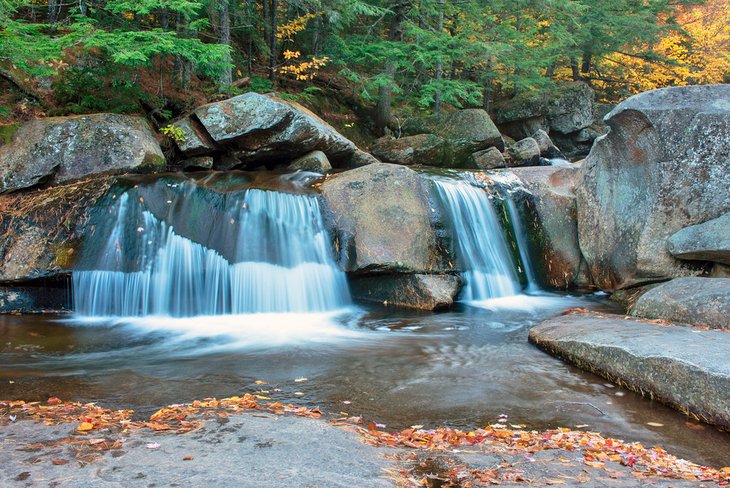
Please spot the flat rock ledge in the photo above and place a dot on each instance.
(683, 367)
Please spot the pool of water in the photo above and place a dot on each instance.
(461, 368)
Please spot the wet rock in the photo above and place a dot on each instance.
(382, 219)
(662, 167)
(464, 132)
(43, 298)
(549, 215)
(547, 148)
(316, 162)
(361, 158)
(60, 149)
(43, 228)
(525, 153)
(491, 158)
(194, 139)
(708, 241)
(420, 291)
(681, 367)
(425, 149)
(256, 128)
(692, 300)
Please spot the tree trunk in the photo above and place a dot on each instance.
(273, 11)
(585, 67)
(574, 69)
(439, 63)
(182, 65)
(54, 10)
(224, 27)
(385, 92)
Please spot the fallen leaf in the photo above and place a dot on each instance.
(84, 426)
(188, 458)
(152, 445)
(655, 424)
(59, 462)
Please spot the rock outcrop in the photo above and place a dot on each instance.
(252, 129)
(59, 149)
(419, 291)
(423, 149)
(693, 301)
(662, 167)
(549, 213)
(684, 368)
(382, 219)
(708, 241)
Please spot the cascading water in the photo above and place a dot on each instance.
(277, 258)
(521, 238)
(481, 246)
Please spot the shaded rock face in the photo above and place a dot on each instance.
(549, 213)
(382, 219)
(692, 300)
(420, 291)
(425, 149)
(524, 153)
(253, 128)
(60, 149)
(684, 368)
(546, 146)
(34, 299)
(708, 241)
(43, 228)
(464, 132)
(662, 167)
(316, 162)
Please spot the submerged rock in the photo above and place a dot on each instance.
(692, 300)
(59, 149)
(257, 128)
(662, 167)
(382, 219)
(708, 241)
(420, 291)
(681, 367)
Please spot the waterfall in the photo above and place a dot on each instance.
(480, 243)
(521, 238)
(276, 247)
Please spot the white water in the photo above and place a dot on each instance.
(521, 238)
(481, 246)
(282, 263)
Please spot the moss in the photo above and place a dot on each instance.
(66, 254)
(7, 132)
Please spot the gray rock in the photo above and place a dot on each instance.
(420, 291)
(708, 241)
(547, 148)
(361, 158)
(264, 127)
(465, 132)
(491, 158)
(316, 161)
(525, 153)
(44, 228)
(662, 167)
(681, 367)
(60, 149)
(382, 219)
(194, 139)
(692, 300)
(549, 216)
(425, 149)
(197, 162)
(565, 109)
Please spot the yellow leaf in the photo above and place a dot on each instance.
(85, 426)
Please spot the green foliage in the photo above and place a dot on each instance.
(261, 85)
(174, 133)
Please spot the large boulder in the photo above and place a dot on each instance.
(382, 219)
(662, 167)
(565, 109)
(43, 228)
(691, 300)
(420, 291)
(255, 128)
(524, 153)
(682, 367)
(491, 158)
(60, 149)
(708, 241)
(465, 132)
(425, 149)
(547, 207)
